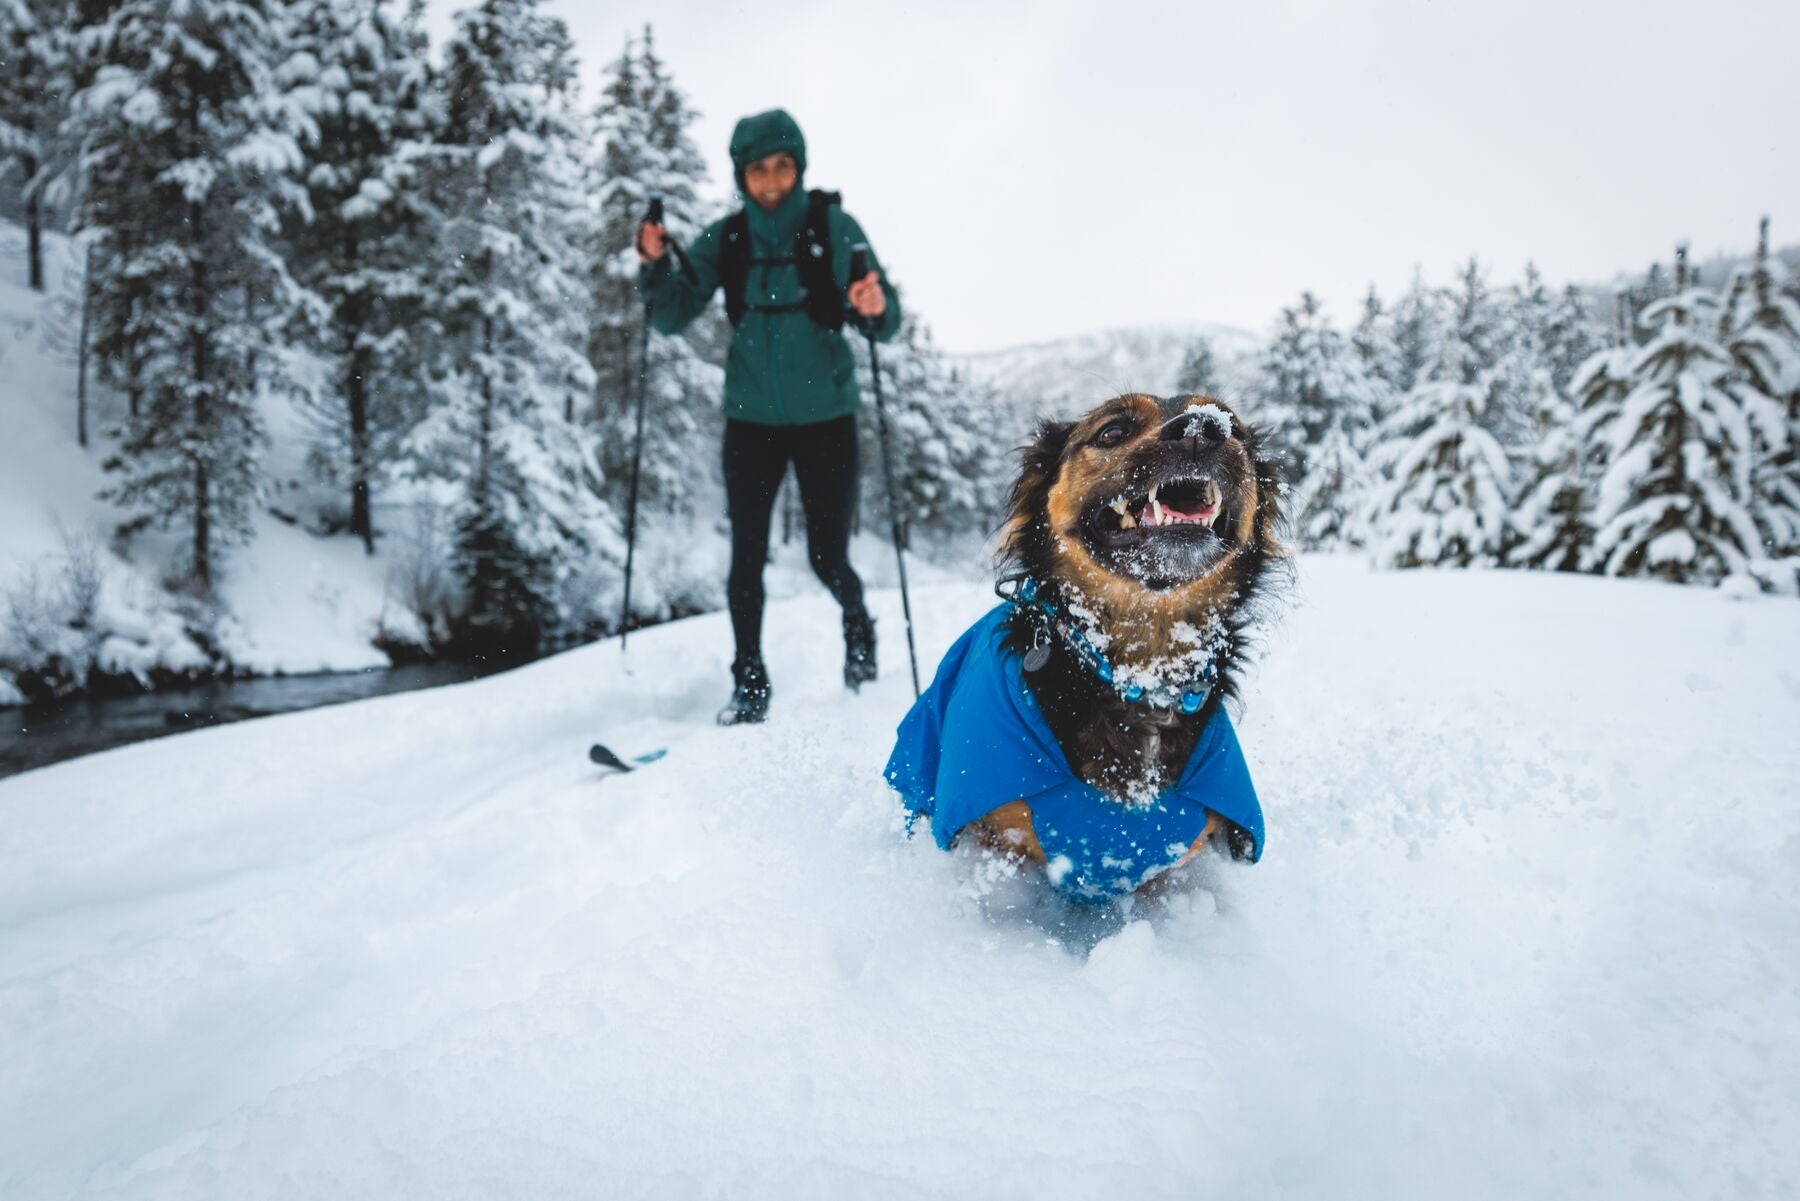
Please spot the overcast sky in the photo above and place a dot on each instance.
(1030, 170)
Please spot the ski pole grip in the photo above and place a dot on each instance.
(655, 215)
(859, 267)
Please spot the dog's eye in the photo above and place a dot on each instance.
(1112, 433)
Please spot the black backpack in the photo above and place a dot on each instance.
(823, 302)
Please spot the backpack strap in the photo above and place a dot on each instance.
(812, 257)
(734, 264)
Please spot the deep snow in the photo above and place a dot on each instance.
(1526, 928)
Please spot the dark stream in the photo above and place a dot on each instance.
(39, 735)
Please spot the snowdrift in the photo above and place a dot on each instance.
(1525, 928)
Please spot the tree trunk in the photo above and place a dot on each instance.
(357, 393)
(360, 523)
(81, 351)
(202, 409)
(34, 226)
(482, 578)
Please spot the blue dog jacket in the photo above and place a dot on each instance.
(976, 740)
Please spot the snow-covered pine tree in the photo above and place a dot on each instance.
(1500, 340)
(35, 77)
(1313, 381)
(949, 469)
(1571, 336)
(1554, 517)
(1291, 408)
(1445, 479)
(1413, 332)
(1544, 448)
(641, 126)
(189, 147)
(1199, 370)
(1762, 333)
(363, 78)
(1674, 501)
(1378, 354)
(532, 531)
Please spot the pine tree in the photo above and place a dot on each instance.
(1761, 330)
(1555, 515)
(949, 470)
(1414, 334)
(1674, 500)
(1499, 350)
(531, 527)
(189, 147)
(1199, 370)
(1378, 354)
(1313, 381)
(363, 79)
(35, 52)
(1569, 338)
(1446, 480)
(642, 123)
(1539, 439)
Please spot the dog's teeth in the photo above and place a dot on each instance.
(1127, 521)
(1157, 509)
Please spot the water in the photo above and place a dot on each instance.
(39, 735)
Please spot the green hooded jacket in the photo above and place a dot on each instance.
(784, 369)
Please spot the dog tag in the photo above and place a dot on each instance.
(1037, 656)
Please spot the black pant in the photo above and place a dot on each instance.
(756, 457)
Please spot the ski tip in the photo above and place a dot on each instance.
(650, 756)
(601, 756)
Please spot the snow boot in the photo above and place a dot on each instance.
(750, 695)
(859, 649)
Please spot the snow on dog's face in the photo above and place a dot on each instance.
(1147, 509)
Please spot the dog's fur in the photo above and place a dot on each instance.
(1137, 598)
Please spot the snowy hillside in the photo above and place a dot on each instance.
(291, 601)
(1060, 377)
(1525, 928)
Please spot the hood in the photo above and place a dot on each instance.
(763, 134)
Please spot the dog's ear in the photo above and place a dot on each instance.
(1270, 527)
(1040, 462)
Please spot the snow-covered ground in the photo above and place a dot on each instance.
(1527, 927)
(296, 602)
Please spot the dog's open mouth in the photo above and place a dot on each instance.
(1187, 505)
(1172, 533)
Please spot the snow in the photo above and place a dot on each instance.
(1208, 417)
(297, 602)
(1525, 928)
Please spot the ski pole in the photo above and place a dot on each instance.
(859, 267)
(653, 217)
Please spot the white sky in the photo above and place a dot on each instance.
(1030, 170)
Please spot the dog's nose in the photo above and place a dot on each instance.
(1205, 429)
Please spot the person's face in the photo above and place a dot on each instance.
(770, 179)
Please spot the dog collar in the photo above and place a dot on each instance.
(1023, 593)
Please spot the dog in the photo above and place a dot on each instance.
(1079, 726)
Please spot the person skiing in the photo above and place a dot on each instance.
(783, 261)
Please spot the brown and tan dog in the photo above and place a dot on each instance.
(1155, 521)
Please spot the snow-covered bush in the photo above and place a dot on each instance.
(79, 616)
